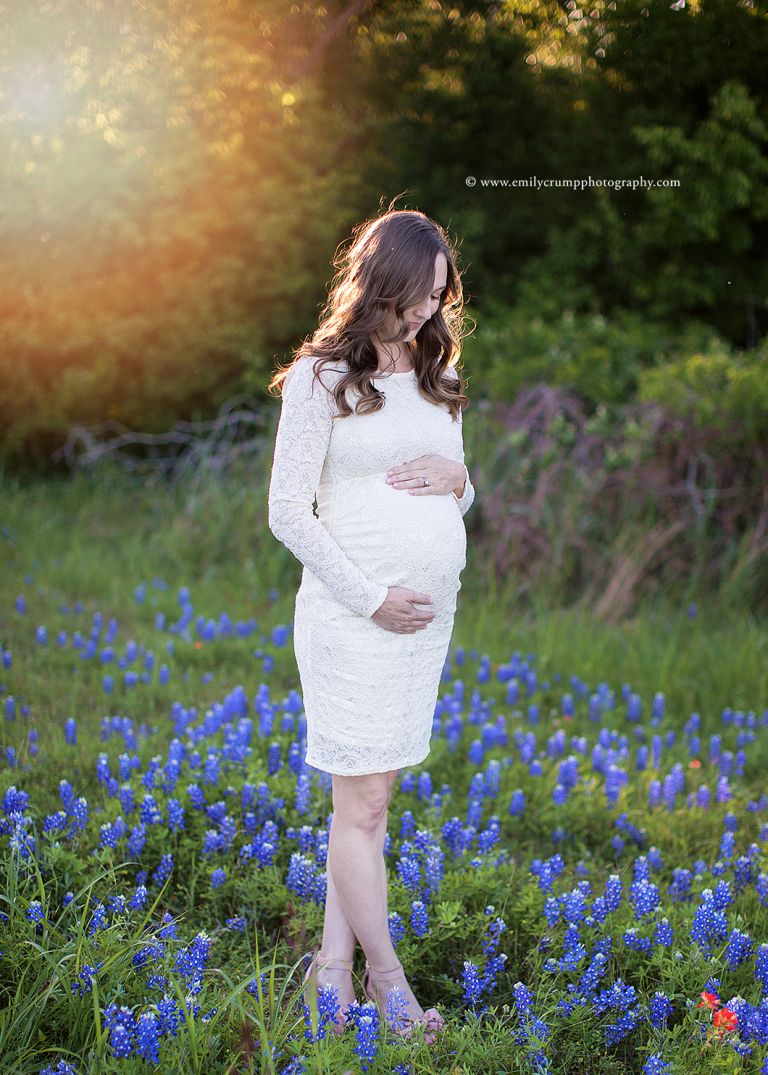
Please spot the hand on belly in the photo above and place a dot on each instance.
(444, 475)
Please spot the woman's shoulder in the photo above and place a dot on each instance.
(313, 385)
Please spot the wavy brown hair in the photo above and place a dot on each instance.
(389, 264)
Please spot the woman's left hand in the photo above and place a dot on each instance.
(445, 476)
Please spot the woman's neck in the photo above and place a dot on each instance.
(403, 363)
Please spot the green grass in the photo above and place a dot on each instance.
(95, 539)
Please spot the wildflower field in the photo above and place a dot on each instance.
(578, 872)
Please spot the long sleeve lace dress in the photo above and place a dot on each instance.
(369, 694)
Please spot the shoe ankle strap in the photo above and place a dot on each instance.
(329, 961)
(385, 975)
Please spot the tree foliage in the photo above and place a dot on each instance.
(175, 177)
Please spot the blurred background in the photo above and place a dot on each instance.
(176, 175)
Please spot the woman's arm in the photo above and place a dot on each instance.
(465, 500)
(301, 443)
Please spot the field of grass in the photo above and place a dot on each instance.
(578, 872)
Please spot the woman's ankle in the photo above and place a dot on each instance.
(393, 968)
(340, 962)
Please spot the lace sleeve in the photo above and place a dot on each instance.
(464, 501)
(303, 433)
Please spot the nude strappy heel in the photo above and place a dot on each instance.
(310, 984)
(432, 1020)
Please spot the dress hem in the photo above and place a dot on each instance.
(370, 772)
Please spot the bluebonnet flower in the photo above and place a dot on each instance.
(492, 969)
(150, 953)
(523, 999)
(139, 898)
(190, 961)
(495, 929)
(257, 986)
(302, 878)
(680, 888)
(78, 816)
(633, 940)
(328, 1008)
(121, 1025)
(396, 1008)
(645, 897)
(366, 1020)
(528, 1026)
(663, 934)
(62, 1068)
(434, 868)
(613, 892)
(739, 948)
(471, 980)
(35, 912)
(547, 870)
(552, 910)
(618, 997)
(98, 919)
(517, 803)
(574, 949)
(761, 965)
(83, 981)
(660, 1009)
(196, 796)
(164, 870)
(655, 1065)
(574, 904)
(409, 871)
(175, 815)
(118, 905)
(709, 923)
(419, 918)
(722, 895)
(396, 927)
(147, 1037)
(296, 1066)
(136, 840)
(168, 928)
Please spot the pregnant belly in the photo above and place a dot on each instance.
(397, 539)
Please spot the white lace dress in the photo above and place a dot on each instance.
(369, 694)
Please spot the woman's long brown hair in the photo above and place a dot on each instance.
(390, 263)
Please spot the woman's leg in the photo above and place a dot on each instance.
(355, 854)
(355, 857)
(338, 936)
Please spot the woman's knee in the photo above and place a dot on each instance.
(362, 800)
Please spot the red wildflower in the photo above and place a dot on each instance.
(694, 763)
(726, 1019)
(709, 1000)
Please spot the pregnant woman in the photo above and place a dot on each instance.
(370, 425)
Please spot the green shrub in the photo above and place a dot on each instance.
(721, 389)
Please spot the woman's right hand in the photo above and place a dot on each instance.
(397, 612)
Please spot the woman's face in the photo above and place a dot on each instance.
(417, 315)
